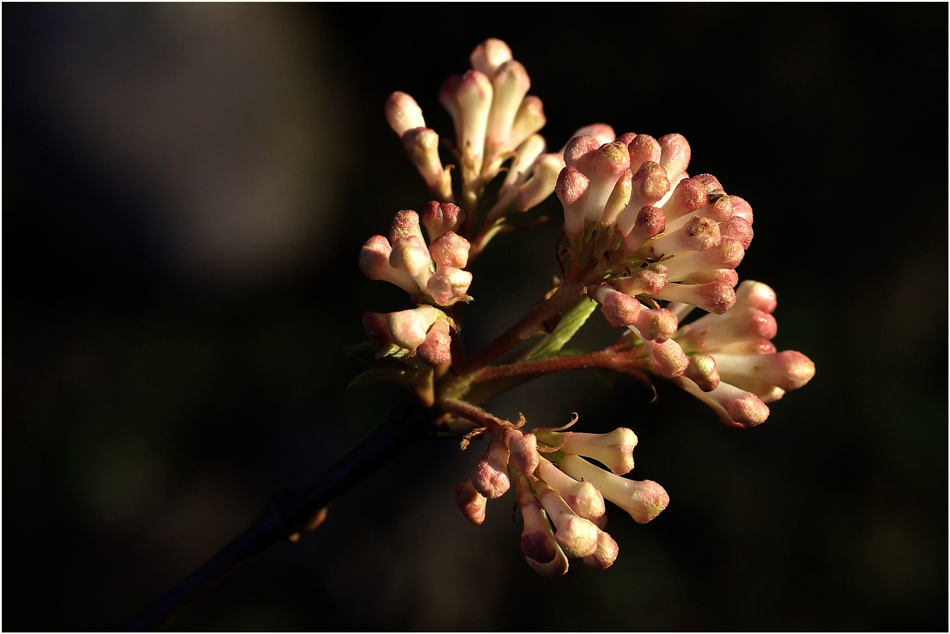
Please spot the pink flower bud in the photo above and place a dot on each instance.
(571, 188)
(702, 371)
(714, 297)
(667, 358)
(643, 500)
(582, 497)
(619, 309)
(450, 249)
(643, 148)
(437, 348)
(606, 553)
(689, 196)
(411, 255)
(510, 84)
(524, 451)
(441, 217)
(527, 153)
(650, 184)
(752, 294)
(738, 228)
(675, 153)
(489, 55)
(741, 209)
(490, 477)
(403, 113)
(711, 332)
(474, 99)
(405, 224)
(735, 407)
(579, 151)
(422, 148)
(537, 538)
(618, 200)
(575, 535)
(541, 184)
(711, 184)
(604, 168)
(374, 262)
(759, 346)
(602, 132)
(529, 120)
(697, 235)
(656, 325)
(646, 281)
(788, 370)
(553, 569)
(374, 325)
(447, 98)
(408, 328)
(648, 222)
(614, 450)
(729, 276)
(449, 285)
(471, 502)
(726, 255)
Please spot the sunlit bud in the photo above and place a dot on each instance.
(437, 348)
(448, 285)
(614, 450)
(675, 153)
(541, 184)
(667, 358)
(606, 553)
(571, 189)
(489, 55)
(422, 148)
(579, 152)
(656, 325)
(741, 209)
(447, 98)
(600, 522)
(698, 234)
(405, 224)
(738, 228)
(527, 153)
(574, 534)
(374, 262)
(689, 196)
(702, 371)
(727, 255)
(618, 201)
(450, 249)
(729, 276)
(441, 217)
(411, 255)
(740, 324)
(735, 407)
(648, 281)
(471, 502)
(788, 370)
(714, 297)
(537, 538)
(408, 328)
(758, 346)
(530, 119)
(643, 148)
(511, 84)
(602, 132)
(374, 325)
(554, 568)
(524, 451)
(619, 309)
(582, 497)
(474, 98)
(403, 113)
(770, 394)
(648, 185)
(490, 476)
(711, 184)
(643, 500)
(648, 222)
(626, 138)
(752, 294)
(604, 168)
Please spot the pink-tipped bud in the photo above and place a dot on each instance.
(698, 234)
(667, 358)
(604, 168)
(571, 188)
(579, 151)
(645, 281)
(752, 294)
(675, 153)
(510, 84)
(648, 185)
(374, 262)
(688, 197)
(575, 535)
(447, 94)
(474, 99)
(702, 371)
(403, 113)
(405, 224)
(643, 148)
(422, 148)
(618, 200)
(489, 55)
(728, 276)
(537, 538)
(648, 223)
(626, 138)
(619, 309)
(408, 328)
(735, 407)
(741, 209)
(726, 255)
(758, 346)
(471, 502)
(643, 500)
(657, 325)
(524, 451)
(714, 297)
(740, 324)
(582, 497)
(411, 255)
(606, 553)
(437, 348)
(613, 450)
(374, 325)
(529, 120)
(602, 132)
(450, 249)
(788, 370)
(541, 184)
(490, 476)
(738, 228)
(439, 218)
(525, 157)
(554, 568)
(449, 285)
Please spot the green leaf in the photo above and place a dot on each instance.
(571, 321)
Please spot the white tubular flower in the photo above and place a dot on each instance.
(642, 500)
(582, 497)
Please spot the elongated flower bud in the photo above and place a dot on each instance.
(450, 249)
(619, 309)
(471, 502)
(647, 281)
(574, 534)
(537, 538)
(601, 132)
(474, 99)
(403, 113)
(411, 255)
(510, 85)
(530, 119)
(489, 55)
(702, 371)
(614, 450)
(582, 497)
(667, 358)
(422, 148)
(735, 407)
(437, 348)
(675, 153)
(606, 553)
(541, 184)
(405, 224)
(449, 285)
(571, 188)
(410, 327)
(788, 370)
(441, 217)
(643, 500)
(490, 477)
(579, 152)
(648, 222)
(657, 325)
(524, 451)
(604, 168)
(643, 148)
(714, 297)
(374, 262)
(618, 200)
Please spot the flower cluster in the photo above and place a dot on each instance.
(560, 494)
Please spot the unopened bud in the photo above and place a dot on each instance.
(648, 222)
(667, 358)
(581, 497)
(374, 262)
(571, 188)
(738, 228)
(579, 151)
(449, 285)
(688, 196)
(675, 153)
(450, 249)
(437, 348)
(490, 477)
(618, 200)
(537, 538)
(751, 294)
(403, 113)
(409, 328)
(411, 255)
(606, 553)
(735, 407)
(702, 371)
(541, 184)
(489, 55)
(529, 120)
(643, 148)
(656, 325)
(788, 369)
(602, 132)
(471, 502)
(510, 85)
(574, 534)
(524, 451)
(645, 281)
(604, 168)
(405, 224)
(614, 450)
(714, 297)
(741, 209)
(441, 217)
(643, 500)
(619, 309)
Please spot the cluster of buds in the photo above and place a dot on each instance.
(560, 494)
(432, 274)
(495, 120)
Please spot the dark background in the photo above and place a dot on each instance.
(186, 188)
